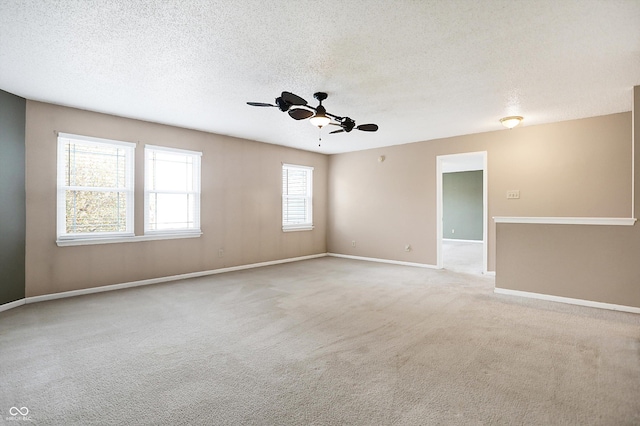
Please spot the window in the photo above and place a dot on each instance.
(297, 200)
(171, 190)
(95, 188)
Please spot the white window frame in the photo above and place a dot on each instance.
(197, 172)
(61, 213)
(308, 224)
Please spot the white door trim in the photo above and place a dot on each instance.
(447, 160)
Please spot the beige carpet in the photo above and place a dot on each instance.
(462, 256)
(328, 342)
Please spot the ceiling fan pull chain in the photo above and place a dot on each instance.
(319, 135)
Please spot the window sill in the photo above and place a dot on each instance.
(297, 228)
(134, 239)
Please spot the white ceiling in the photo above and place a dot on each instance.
(419, 69)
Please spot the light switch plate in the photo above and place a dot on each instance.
(513, 194)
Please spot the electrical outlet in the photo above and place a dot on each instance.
(453, 231)
(513, 194)
(221, 253)
(353, 243)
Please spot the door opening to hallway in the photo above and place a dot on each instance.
(462, 212)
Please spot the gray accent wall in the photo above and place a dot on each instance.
(462, 205)
(12, 197)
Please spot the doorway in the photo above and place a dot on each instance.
(460, 254)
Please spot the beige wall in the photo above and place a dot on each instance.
(240, 212)
(577, 168)
(572, 168)
(588, 262)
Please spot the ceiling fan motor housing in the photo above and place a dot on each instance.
(321, 96)
(348, 124)
(282, 104)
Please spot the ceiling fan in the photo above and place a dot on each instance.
(299, 109)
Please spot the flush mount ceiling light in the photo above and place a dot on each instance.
(511, 121)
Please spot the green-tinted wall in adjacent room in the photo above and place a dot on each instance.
(462, 205)
(12, 197)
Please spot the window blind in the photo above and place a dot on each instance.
(296, 196)
(172, 190)
(95, 187)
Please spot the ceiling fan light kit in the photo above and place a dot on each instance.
(318, 116)
(319, 120)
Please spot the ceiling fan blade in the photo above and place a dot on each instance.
(300, 114)
(368, 127)
(292, 99)
(337, 131)
(260, 104)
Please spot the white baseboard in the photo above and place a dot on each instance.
(11, 305)
(581, 302)
(65, 294)
(374, 259)
(35, 299)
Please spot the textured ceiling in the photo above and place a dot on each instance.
(419, 69)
